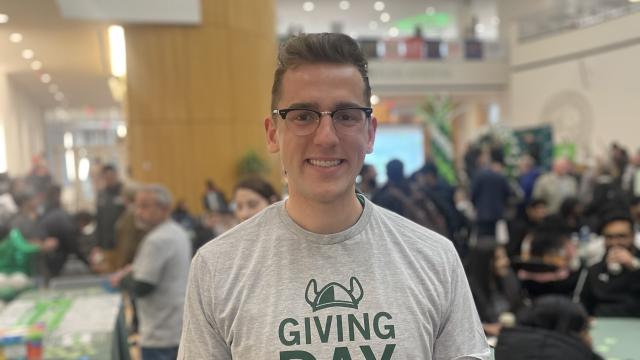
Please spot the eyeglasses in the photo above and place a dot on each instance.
(305, 121)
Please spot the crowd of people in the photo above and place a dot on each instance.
(568, 236)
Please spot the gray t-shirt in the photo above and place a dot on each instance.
(163, 260)
(385, 288)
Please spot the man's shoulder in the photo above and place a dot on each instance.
(409, 232)
(243, 234)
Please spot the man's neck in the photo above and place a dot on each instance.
(324, 218)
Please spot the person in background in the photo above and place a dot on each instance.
(367, 181)
(634, 211)
(129, 233)
(182, 216)
(631, 176)
(109, 207)
(26, 221)
(213, 198)
(490, 191)
(549, 262)
(495, 288)
(251, 196)
(555, 328)
(557, 185)
(157, 279)
(519, 228)
(528, 173)
(57, 223)
(613, 285)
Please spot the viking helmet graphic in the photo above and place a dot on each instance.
(334, 295)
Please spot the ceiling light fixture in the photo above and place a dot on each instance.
(394, 32)
(117, 51)
(36, 65)
(308, 6)
(385, 17)
(28, 54)
(375, 99)
(378, 6)
(4, 18)
(344, 5)
(45, 78)
(15, 38)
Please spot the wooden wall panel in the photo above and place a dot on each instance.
(197, 97)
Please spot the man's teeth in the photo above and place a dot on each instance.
(325, 163)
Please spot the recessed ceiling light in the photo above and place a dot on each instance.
(27, 54)
(394, 32)
(373, 25)
(36, 65)
(430, 10)
(385, 17)
(15, 38)
(53, 88)
(344, 5)
(634, 1)
(378, 6)
(59, 96)
(308, 6)
(45, 78)
(375, 100)
(4, 18)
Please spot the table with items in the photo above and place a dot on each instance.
(64, 324)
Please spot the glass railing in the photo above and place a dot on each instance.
(585, 14)
(436, 50)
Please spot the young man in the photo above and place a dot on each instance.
(327, 274)
(613, 285)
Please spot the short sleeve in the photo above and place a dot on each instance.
(460, 335)
(150, 260)
(201, 338)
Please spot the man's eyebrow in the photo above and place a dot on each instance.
(347, 104)
(303, 105)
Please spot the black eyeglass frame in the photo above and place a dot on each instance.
(283, 112)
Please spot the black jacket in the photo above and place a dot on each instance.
(608, 294)
(527, 343)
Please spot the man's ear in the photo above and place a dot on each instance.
(271, 131)
(371, 133)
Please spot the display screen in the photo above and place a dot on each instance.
(402, 142)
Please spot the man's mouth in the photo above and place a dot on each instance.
(325, 163)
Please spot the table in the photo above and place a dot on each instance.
(617, 338)
(81, 323)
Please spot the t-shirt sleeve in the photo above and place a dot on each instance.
(150, 261)
(460, 335)
(201, 338)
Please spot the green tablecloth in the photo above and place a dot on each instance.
(81, 323)
(617, 338)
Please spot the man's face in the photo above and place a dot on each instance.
(618, 233)
(148, 213)
(321, 87)
(537, 213)
(110, 177)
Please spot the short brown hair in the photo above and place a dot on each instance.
(329, 48)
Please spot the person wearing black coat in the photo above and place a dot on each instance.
(553, 329)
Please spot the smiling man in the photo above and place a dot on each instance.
(327, 274)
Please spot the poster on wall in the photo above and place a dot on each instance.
(537, 142)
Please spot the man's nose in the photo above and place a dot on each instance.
(325, 133)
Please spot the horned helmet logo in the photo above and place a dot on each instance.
(334, 295)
